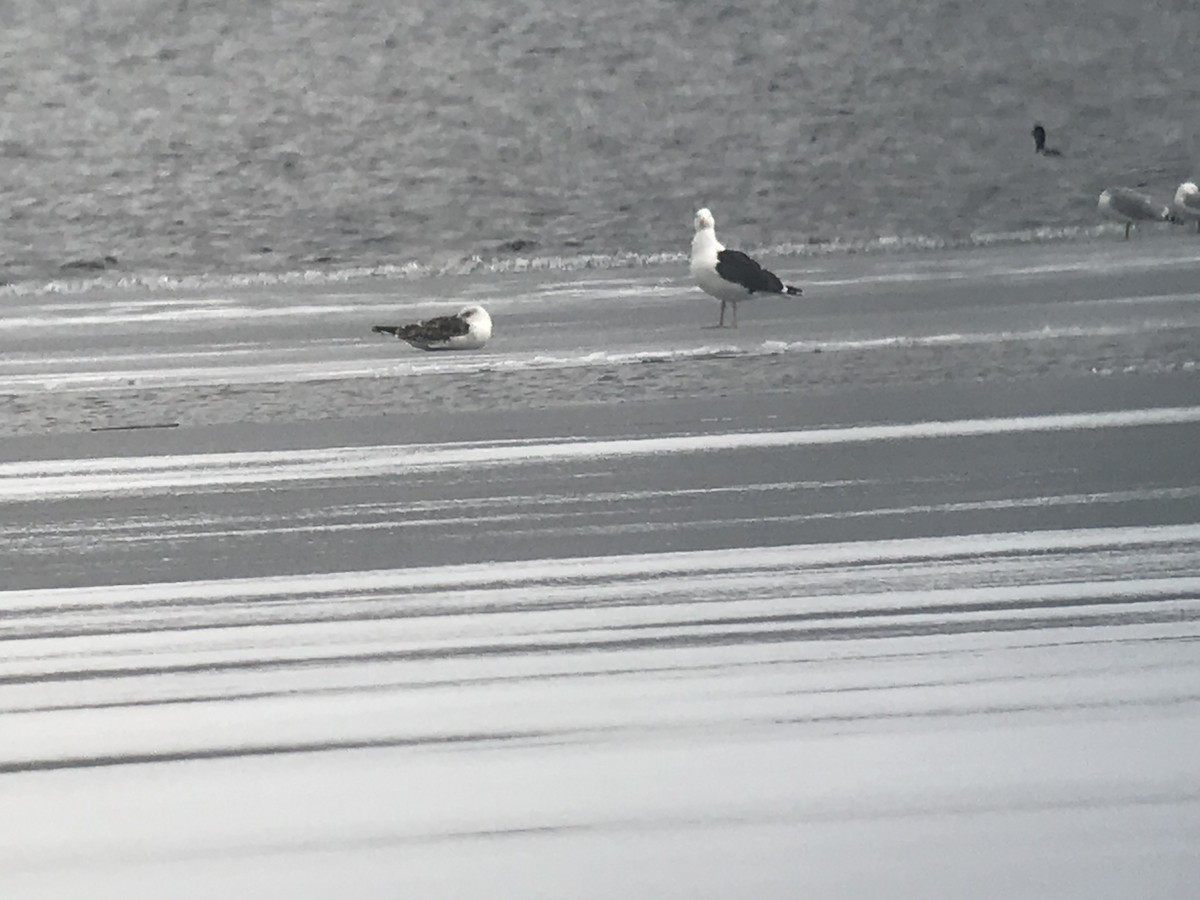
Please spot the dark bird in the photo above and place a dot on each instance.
(1039, 142)
(1129, 206)
(729, 275)
(468, 329)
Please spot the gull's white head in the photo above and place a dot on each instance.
(704, 219)
(477, 320)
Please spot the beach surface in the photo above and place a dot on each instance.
(892, 591)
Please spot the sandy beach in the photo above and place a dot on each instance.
(892, 591)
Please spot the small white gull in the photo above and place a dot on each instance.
(468, 329)
(1129, 206)
(1187, 202)
(729, 275)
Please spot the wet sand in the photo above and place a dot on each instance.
(907, 606)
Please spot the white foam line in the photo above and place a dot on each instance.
(113, 318)
(45, 479)
(359, 367)
(260, 373)
(732, 561)
(69, 363)
(949, 339)
(41, 374)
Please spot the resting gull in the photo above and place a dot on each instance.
(468, 329)
(1129, 206)
(1187, 202)
(729, 275)
(1039, 142)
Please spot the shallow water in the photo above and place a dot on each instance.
(689, 648)
(212, 137)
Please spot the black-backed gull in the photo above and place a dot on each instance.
(468, 329)
(1130, 206)
(1187, 202)
(729, 275)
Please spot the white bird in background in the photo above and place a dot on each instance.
(1187, 202)
(729, 275)
(1129, 206)
(468, 329)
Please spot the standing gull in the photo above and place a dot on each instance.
(729, 275)
(468, 329)
(1187, 202)
(1128, 206)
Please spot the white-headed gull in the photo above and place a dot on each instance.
(468, 329)
(1129, 206)
(1187, 202)
(729, 275)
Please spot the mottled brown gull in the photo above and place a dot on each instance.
(468, 329)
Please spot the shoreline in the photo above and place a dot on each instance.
(415, 271)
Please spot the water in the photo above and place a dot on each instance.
(223, 139)
(901, 571)
(743, 653)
